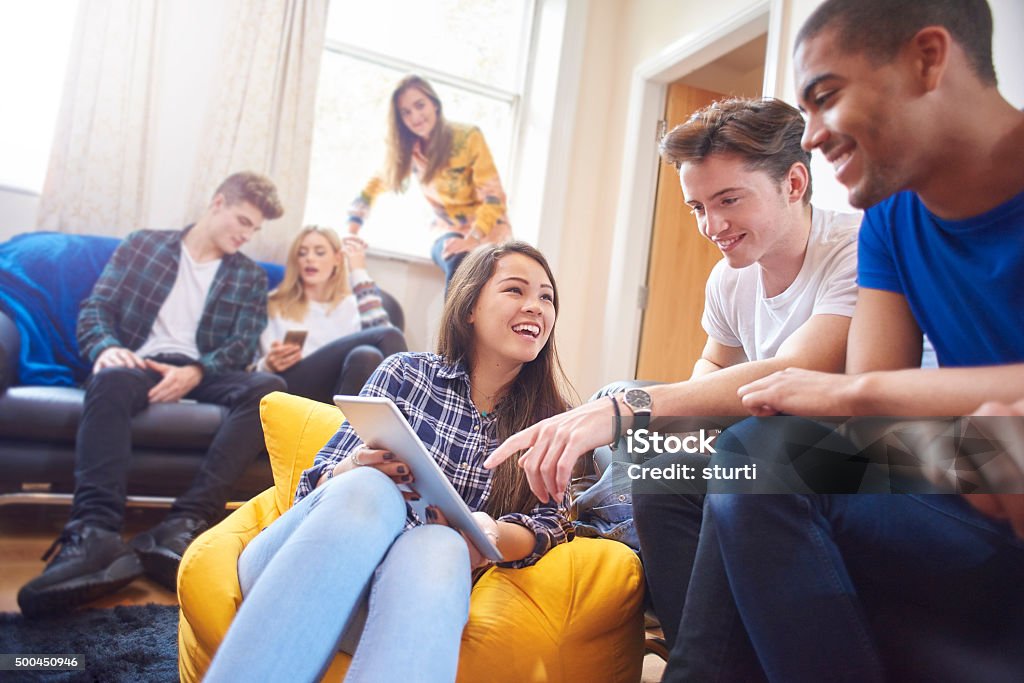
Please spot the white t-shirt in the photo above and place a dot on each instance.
(324, 327)
(736, 312)
(174, 330)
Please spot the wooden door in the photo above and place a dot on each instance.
(671, 337)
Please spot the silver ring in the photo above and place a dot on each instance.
(355, 456)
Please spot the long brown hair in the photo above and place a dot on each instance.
(538, 392)
(288, 300)
(401, 140)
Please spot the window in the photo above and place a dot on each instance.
(35, 41)
(474, 54)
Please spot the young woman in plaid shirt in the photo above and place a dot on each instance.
(378, 577)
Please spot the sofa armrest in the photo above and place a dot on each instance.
(10, 349)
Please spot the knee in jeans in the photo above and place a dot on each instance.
(736, 510)
(442, 553)
(365, 356)
(367, 496)
(267, 383)
(117, 383)
(392, 341)
(116, 377)
(259, 384)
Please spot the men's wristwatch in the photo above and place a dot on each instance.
(639, 401)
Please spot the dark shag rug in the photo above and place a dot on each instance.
(122, 644)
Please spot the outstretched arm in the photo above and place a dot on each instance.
(555, 444)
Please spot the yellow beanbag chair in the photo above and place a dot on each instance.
(575, 615)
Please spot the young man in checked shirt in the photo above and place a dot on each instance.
(173, 315)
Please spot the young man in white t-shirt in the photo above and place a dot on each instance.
(781, 297)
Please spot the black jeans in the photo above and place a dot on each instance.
(344, 365)
(103, 446)
(687, 583)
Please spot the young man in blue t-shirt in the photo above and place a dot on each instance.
(901, 98)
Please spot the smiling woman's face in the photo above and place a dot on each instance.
(515, 312)
(418, 112)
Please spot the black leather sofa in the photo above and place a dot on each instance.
(38, 425)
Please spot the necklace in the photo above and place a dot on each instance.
(485, 399)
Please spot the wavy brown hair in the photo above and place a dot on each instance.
(289, 298)
(401, 140)
(765, 133)
(257, 189)
(538, 392)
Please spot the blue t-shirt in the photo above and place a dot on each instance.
(964, 280)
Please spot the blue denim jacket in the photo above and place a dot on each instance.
(605, 507)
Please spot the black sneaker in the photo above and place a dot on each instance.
(92, 562)
(161, 548)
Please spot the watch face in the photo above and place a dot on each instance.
(638, 399)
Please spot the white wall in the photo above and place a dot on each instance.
(419, 286)
(18, 210)
(620, 36)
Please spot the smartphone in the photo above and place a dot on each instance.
(296, 337)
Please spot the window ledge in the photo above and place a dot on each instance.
(388, 255)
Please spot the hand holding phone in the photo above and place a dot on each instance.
(284, 354)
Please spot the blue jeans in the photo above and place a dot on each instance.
(869, 587)
(448, 265)
(305, 580)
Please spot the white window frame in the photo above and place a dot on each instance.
(538, 169)
(513, 99)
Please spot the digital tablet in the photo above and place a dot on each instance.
(380, 424)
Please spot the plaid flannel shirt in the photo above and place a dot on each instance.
(434, 396)
(135, 283)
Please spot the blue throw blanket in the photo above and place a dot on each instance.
(44, 276)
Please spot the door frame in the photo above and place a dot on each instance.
(634, 219)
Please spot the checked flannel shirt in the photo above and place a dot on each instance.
(135, 283)
(434, 396)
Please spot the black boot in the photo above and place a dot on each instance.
(92, 562)
(162, 546)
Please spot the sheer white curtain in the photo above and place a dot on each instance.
(123, 156)
(260, 117)
(97, 178)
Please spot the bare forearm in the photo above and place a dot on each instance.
(515, 541)
(714, 393)
(941, 392)
(704, 367)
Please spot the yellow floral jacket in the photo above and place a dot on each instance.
(465, 194)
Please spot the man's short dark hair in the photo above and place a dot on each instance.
(765, 133)
(880, 28)
(254, 188)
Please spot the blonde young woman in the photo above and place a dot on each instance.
(327, 292)
(454, 168)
